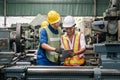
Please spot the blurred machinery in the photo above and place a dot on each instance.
(107, 36)
(102, 59)
(109, 25)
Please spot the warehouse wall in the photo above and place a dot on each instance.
(64, 7)
(13, 20)
(1, 8)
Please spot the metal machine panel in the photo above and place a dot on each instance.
(119, 30)
(107, 47)
(6, 57)
(4, 40)
(110, 54)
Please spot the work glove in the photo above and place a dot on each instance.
(59, 50)
(71, 54)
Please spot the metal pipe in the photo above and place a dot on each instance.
(70, 70)
(95, 5)
(49, 2)
(71, 73)
(4, 13)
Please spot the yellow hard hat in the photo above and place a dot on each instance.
(53, 17)
(44, 24)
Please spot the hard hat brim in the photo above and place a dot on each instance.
(68, 25)
(55, 21)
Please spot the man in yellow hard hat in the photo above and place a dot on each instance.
(73, 40)
(43, 25)
(49, 49)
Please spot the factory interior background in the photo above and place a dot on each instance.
(97, 20)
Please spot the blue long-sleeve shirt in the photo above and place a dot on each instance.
(41, 54)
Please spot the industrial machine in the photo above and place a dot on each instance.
(102, 58)
(107, 40)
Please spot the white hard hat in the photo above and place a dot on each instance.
(69, 21)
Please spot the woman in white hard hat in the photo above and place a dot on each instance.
(73, 41)
(49, 49)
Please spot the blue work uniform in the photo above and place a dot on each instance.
(41, 54)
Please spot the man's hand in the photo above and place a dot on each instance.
(72, 53)
(59, 50)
